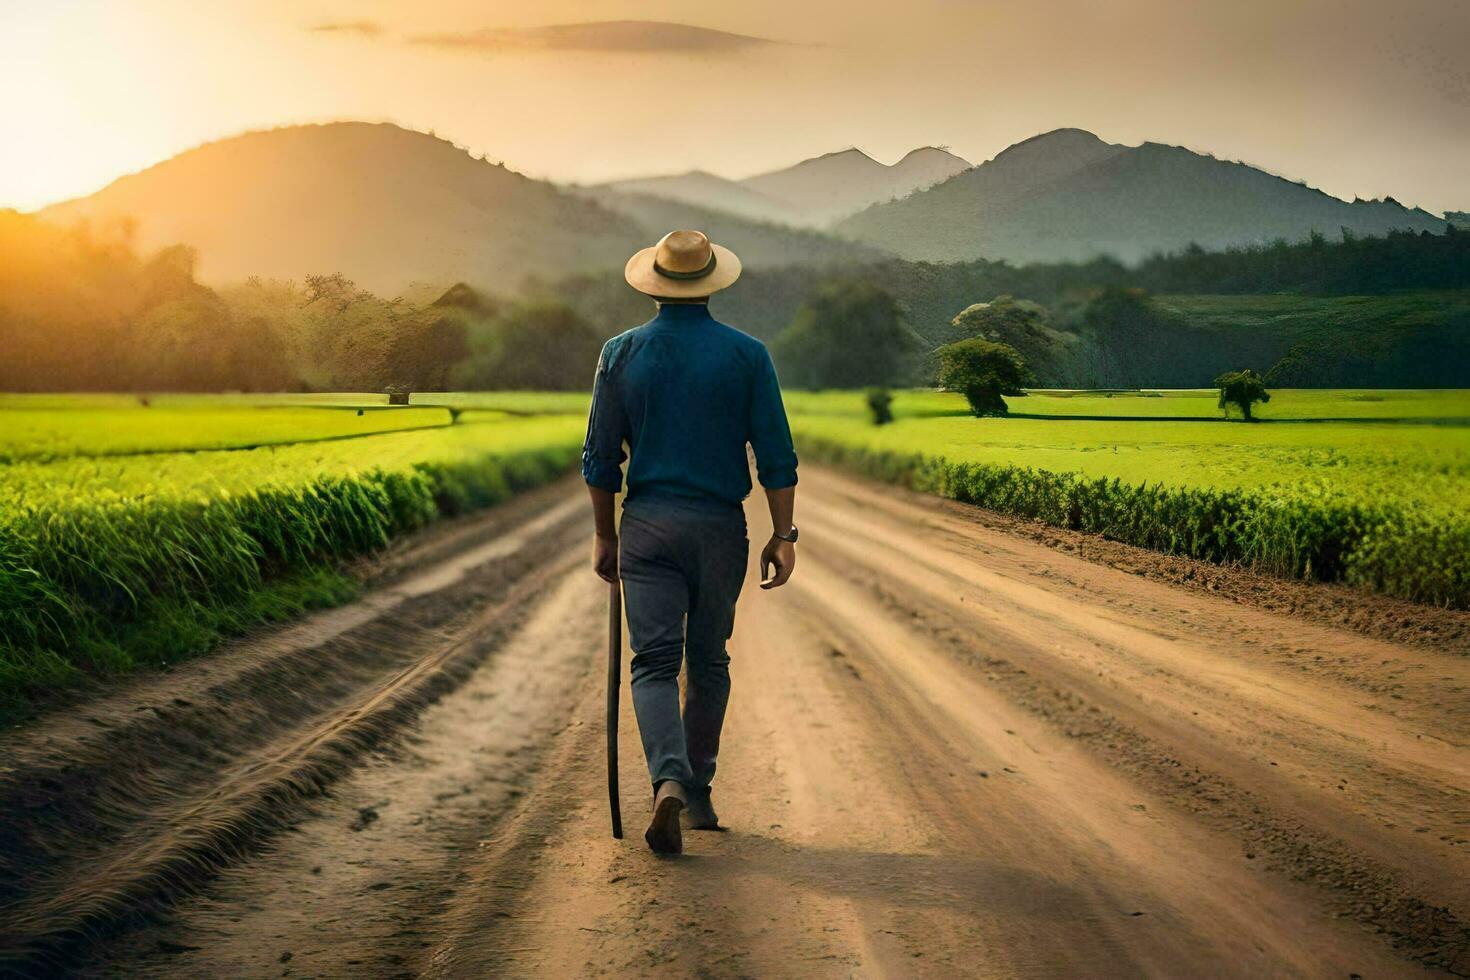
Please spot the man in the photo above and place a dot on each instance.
(685, 393)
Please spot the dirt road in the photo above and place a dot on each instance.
(951, 750)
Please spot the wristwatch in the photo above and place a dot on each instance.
(787, 537)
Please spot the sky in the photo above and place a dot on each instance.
(1358, 97)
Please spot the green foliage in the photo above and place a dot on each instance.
(1378, 546)
(1447, 410)
(1241, 389)
(1379, 505)
(112, 563)
(982, 371)
(532, 346)
(1024, 325)
(1383, 336)
(879, 402)
(848, 334)
(81, 312)
(1354, 265)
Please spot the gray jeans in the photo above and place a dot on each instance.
(682, 569)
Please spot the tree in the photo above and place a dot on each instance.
(540, 345)
(1241, 389)
(1023, 325)
(848, 334)
(983, 371)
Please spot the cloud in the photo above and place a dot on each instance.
(360, 28)
(622, 36)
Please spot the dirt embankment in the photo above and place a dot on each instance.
(953, 749)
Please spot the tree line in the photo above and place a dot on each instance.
(1354, 265)
(78, 312)
(85, 313)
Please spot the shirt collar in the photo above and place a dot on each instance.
(683, 311)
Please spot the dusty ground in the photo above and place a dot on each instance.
(952, 750)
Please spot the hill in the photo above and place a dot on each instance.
(1069, 196)
(758, 243)
(390, 208)
(698, 187)
(811, 193)
(383, 205)
(830, 186)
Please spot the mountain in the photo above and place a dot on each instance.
(698, 187)
(811, 193)
(384, 206)
(758, 243)
(1069, 196)
(831, 186)
(389, 208)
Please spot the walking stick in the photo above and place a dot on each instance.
(614, 680)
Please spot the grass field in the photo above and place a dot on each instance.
(1413, 461)
(1302, 404)
(135, 535)
(1380, 497)
(139, 532)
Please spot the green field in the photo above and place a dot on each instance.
(1371, 487)
(136, 535)
(1309, 404)
(1412, 460)
(137, 532)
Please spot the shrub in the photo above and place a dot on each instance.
(880, 405)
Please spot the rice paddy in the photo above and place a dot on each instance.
(1369, 487)
(136, 534)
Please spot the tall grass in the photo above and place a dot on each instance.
(106, 584)
(1392, 547)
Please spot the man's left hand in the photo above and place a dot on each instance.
(778, 555)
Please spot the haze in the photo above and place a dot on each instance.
(1359, 98)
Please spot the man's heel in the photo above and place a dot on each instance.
(663, 834)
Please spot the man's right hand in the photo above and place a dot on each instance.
(605, 557)
(778, 561)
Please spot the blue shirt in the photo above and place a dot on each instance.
(686, 393)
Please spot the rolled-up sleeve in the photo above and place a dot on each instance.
(602, 451)
(770, 433)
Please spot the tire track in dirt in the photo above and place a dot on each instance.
(950, 751)
(1368, 807)
(359, 883)
(107, 828)
(906, 796)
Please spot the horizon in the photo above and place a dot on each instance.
(894, 161)
(1353, 101)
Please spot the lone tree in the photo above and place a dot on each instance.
(1241, 389)
(848, 334)
(982, 371)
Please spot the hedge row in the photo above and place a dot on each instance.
(1390, 548)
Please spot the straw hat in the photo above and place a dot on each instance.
(683, 265)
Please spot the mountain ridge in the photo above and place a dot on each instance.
(1069, 196)
(808, 193)
(389, 207)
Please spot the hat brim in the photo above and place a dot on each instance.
(643, 277)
